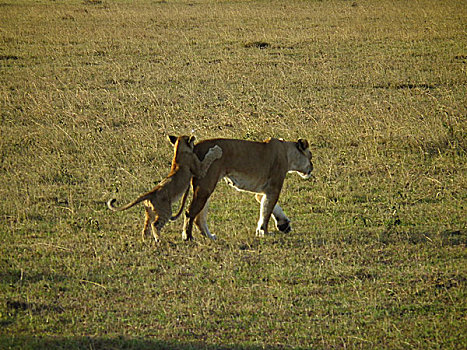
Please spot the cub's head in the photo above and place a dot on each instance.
(183, 141)
(182, 144)
(300, 158)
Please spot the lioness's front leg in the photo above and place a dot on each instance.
(281, 219)
(268, 201)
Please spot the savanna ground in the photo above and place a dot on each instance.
(89, 91)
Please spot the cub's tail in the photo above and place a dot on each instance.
(110, 203)
(175, 217)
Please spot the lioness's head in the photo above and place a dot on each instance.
(300, 159)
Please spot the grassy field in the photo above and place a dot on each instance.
(89, 91)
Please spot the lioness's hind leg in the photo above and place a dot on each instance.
(200, 197)
(201, 222)
(187, 233)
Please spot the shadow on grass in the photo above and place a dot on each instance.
(117, 343)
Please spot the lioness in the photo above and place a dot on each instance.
(258, 167)
(158, 201)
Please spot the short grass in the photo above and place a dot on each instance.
(90, 89)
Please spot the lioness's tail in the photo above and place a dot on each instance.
(111, 202)
(185, 195)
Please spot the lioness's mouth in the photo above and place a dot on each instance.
(306, 176)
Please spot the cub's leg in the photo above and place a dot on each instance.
(163, 216)
(201, 222)
(157, 227)
(150, 216)
(201, 168)
(280, 218)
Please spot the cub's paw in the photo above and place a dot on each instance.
(216, 151)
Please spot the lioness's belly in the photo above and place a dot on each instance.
(242, 182)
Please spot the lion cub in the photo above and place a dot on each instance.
(158, 201)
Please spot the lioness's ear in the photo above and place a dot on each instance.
(302, 144)
(173, 139)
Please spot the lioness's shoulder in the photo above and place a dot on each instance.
(274, 143)
(273, 140)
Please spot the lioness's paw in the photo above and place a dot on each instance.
(186, 238)
(285, 227)
(260, 232)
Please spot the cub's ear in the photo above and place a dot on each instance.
(172, 139)
(302, 144)
(191, 142)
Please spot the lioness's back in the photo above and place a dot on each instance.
(235, 150)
